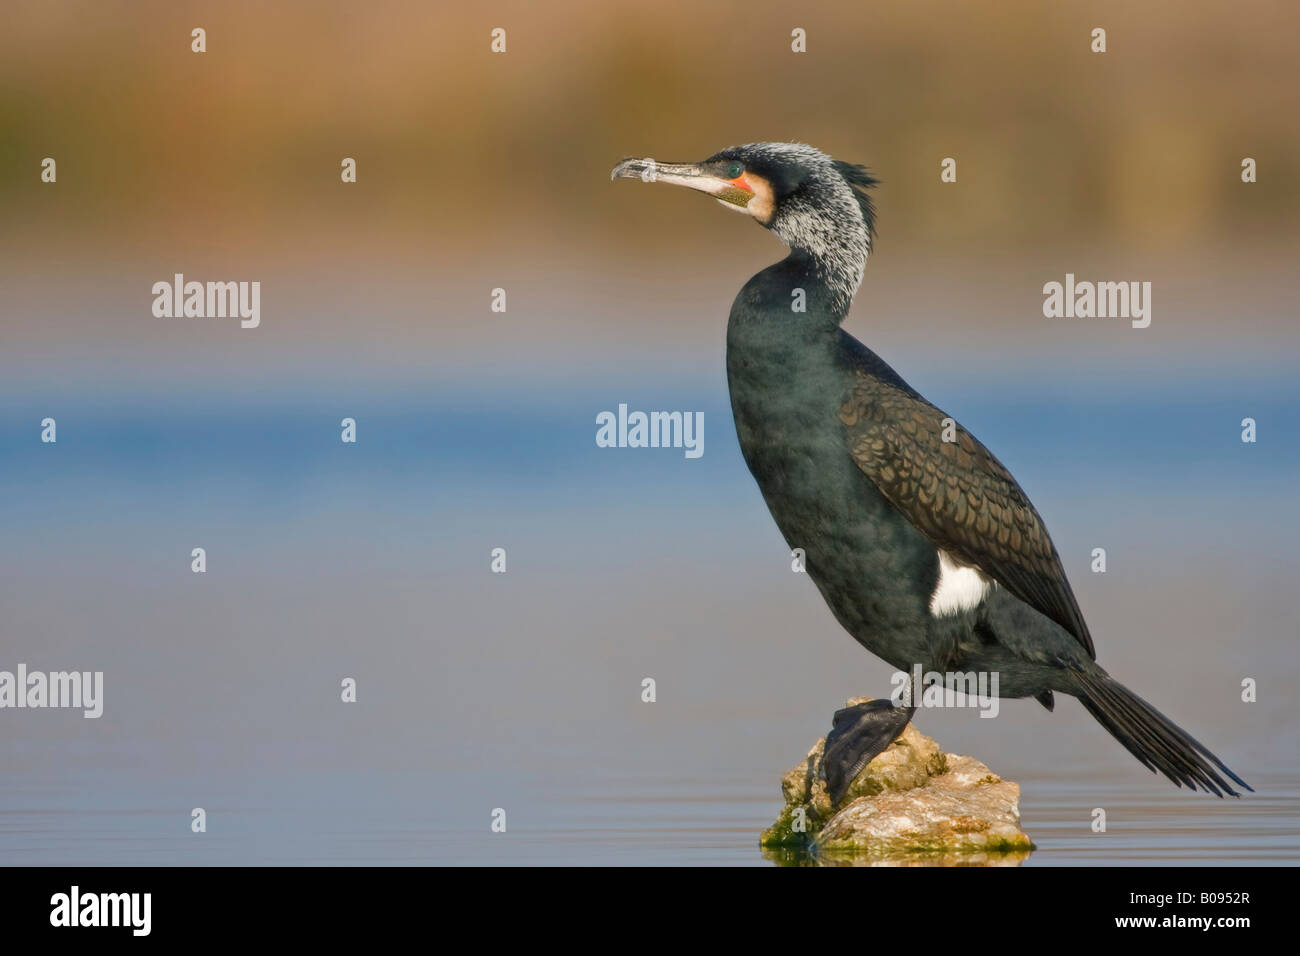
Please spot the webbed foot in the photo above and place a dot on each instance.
(857, 734)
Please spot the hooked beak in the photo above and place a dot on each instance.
(732, 192)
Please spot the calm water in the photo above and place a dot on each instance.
(419, 818)
(521, 691)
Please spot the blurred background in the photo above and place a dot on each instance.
(476, 429)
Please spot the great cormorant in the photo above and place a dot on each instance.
(923, 545)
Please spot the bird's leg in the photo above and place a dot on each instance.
(857, 734)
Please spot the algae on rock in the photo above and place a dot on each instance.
(912, 804)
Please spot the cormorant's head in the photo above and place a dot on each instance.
(814, 204)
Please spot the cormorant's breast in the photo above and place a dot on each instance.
(789, 375)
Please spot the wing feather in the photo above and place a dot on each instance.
(955, 492)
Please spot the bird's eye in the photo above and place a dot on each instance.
(734, 170)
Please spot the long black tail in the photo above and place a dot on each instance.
(1153, 738)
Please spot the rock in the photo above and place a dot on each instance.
(913, 804)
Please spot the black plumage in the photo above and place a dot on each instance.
(923, 545)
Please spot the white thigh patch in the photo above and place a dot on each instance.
(960, 588)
